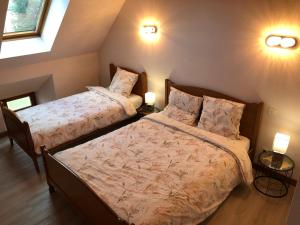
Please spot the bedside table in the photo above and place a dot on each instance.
(270, 185)
(145, 110)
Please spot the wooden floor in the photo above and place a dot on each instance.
(25, 200)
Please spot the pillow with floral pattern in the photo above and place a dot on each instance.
(123, 82)
(185, 101)
(183, 107)
(180, 115)
(221, 116)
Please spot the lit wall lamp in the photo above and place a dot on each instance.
(149, 29)
(277, 41)
(149, 32)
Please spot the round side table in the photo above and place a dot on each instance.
(145, 110)
(270, 185)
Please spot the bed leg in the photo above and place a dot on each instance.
(51, 189)
(36, 165)
(11, 141)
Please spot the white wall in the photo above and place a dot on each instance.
(46, 92)
(70, 75)
(72, 62)
(219, 45)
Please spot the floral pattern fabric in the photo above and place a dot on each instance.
(159, 171)
(57, 122)
(185, 101)
(183, 107)
(221, 116)
(123, 82)
(179, 115)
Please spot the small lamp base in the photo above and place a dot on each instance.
(149, 108)
(277, 160)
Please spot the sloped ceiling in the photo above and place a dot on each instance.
(83, 30)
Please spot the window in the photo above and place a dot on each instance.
(20, 102)
(25, 18)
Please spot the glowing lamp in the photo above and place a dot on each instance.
(149, 29)
(288, 42)
(150, 98)
(281, 143)
(281, 41)
(273, 41)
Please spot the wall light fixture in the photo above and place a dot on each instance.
(149, 29)
(278, 41)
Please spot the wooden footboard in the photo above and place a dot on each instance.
(61, 178)
(19, 132)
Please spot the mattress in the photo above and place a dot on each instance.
(160, 171)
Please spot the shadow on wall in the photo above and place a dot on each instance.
(42, 86)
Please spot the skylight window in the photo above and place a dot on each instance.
(25, 18)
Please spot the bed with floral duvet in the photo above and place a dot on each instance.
(155, 171)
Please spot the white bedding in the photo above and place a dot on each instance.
(136, 100)
(57, 122)
(244, 142)
(159, 171)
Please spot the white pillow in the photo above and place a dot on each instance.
(123, 82)
(221, 116)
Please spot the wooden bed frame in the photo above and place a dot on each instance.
(86, 201)
(19, 131)
(250, 121)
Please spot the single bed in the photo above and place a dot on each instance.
(155, 171)
(69, 121)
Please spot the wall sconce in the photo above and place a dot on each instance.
(281, 41)
(149, 29)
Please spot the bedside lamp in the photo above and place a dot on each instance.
(150, 100)
(281, 143)
(280, 146)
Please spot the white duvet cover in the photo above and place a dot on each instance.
(159, 171)
(57, 122)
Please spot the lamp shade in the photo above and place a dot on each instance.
(150, 98)
(281, 143)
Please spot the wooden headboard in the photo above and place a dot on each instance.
(250, 121)
(141, 86)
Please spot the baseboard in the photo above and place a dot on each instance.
(3, 134)
(288, 180)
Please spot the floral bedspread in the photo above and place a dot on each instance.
(57, 122)
(159, 171)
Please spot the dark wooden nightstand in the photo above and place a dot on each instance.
(145, 110)
(267, 180)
